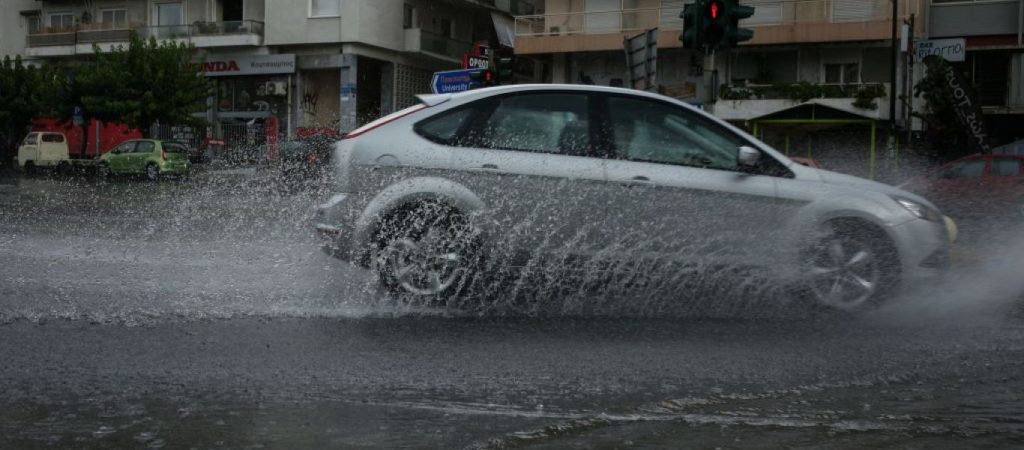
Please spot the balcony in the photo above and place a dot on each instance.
(740, 103)
(774, 22)
(80, 39)
(420, 41)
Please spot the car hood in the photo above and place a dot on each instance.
(865, 184)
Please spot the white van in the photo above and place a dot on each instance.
(44, 149)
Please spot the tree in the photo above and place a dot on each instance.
(144, 83)
(944, 132)
(21, 100)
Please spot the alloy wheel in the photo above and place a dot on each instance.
(844, 273)
(428, 264)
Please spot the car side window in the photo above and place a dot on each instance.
(651, 131)
(444, 127)
(974, 168)
(53, 138)
(144, 147)
(31, 139)
(125, 147)
(1006, 167)
(543, 122)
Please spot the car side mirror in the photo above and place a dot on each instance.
(748, 157)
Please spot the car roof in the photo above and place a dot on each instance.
(513, 88)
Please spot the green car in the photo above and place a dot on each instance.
(149, 157)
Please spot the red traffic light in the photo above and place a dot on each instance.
(713, 10)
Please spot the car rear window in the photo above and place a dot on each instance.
(175, 148)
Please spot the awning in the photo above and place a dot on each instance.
(505, 27)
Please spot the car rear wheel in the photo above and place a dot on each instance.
(152, 172)
(851, 268)
(427, 251)
(30, 167)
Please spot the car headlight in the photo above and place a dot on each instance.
(919, 210)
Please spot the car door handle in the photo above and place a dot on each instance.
(490, 168)
(639, 180)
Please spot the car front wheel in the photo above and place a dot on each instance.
(426, 251)
(851, 268)
(152, 172)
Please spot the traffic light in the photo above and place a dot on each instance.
(482, 78)
(504, 66)
(734, 34)
(714, 24)
(692, 25)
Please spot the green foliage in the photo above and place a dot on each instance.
(145, 83)
(21, 100)
(864, 94)
(939, 114)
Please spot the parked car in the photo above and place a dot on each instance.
(47, 150)
(149, 157)
(304, 160)
(978, 186)
(444, 194)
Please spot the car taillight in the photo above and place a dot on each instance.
(163, 155)
(383, 121)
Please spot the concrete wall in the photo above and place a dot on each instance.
(255, 10)
(14, 27)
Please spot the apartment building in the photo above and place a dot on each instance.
(801, 48)
(304, 63)
(990, 34)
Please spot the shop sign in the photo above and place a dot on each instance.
(953, 50)
(248, 65)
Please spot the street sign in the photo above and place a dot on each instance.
(455, 81)
(475, 62)
(642, 60)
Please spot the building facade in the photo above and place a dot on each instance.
(324, 64)
(992, 35)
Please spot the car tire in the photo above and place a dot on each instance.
(30, 168)
(425, 253)
(852, 267)
(152, 172)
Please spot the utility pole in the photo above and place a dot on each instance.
(894, 60)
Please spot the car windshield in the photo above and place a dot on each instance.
(512, 224)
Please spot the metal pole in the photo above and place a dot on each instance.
(894, 58)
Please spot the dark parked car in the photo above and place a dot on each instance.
(305, 160)
(989, 186)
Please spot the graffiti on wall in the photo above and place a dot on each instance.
(310, 99)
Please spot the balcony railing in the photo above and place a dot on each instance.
(766, 13)
(105, 32)
(418, 40)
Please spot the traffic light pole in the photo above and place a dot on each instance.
(713, 94)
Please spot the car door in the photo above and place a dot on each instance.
(958, 187)
(29, 150)
(138, 158)
(532, 159)
(53, 148)
(680, 192)
(119, 156)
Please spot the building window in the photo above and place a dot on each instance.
(409, 16)
(842, 73)
(168, 14)
(324, 8)
(34, 24)
(447, 28)
(61, 20)
(114, 18)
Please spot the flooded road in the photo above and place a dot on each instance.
(202, 314)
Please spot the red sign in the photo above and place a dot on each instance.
(220, 66)
(475, 62)
(272, 125)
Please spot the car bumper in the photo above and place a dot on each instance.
(332, 225)
(925, 248)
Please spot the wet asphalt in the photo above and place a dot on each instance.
(201, 314)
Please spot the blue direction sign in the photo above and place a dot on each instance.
(454, 81)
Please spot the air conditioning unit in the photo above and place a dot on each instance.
(278, 88)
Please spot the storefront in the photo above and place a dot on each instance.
(253, 95)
